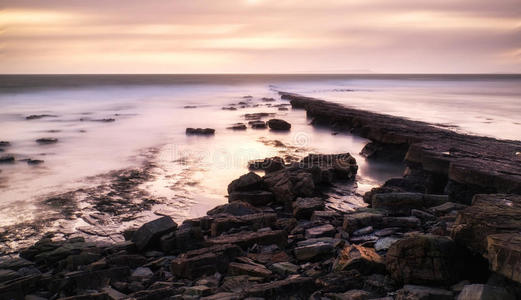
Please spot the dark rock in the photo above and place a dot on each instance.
(247, 182)
(34, 161)
(200, 131)
(279, 125)
(427, 259)
(362, 218)
(504, 254)
(189, 106)
(255, 198)
(446, 208)
(128, 260)
(385, 243)
(287, 184)
(332, 166)
(255, 221)
(94, 280)
(320, 231)
(188, 237)
(282, 108)
(35, 117)
(257, 124)
(45, 141)
(402, 203)
(154, 294)
(205, 261)
(402, 222)
(257, 116)
(149, 234)
(363, 231)
(341, 281)
(294, 286)
(484, 292)
(247, 239)
(418, 292)
(256, 270)
(284, 268)
(5, 159)
(303, 208)
(235, 208)
(229, 108)
(14, 263)
(354, 257)
(4, 144)
(265, 99)
(237, 126)
(268, 165)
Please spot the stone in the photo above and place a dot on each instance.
(255, 270)
(4, 159)
(200, 131)
(223, 296)
(237, 126)
(142, 273)
(14, 263)
(365, 260)
(290, 183)
(322, 216)
(314, 251)
(384, 243)
(188, 237)
(417, 292)
(363, 231)
(398, 203)
(198, 290)
(235, 208)
(341, 281)
(446, 208)
(279, 125)
(284, 268)
(362, 218)
(426, 259)
(504, 254)
(422, 215)
(268, 165)
(205, 261)
(402, 222)
(35, 117)
(246, 239)
(34, 162)
(297, 285)
(352, 295)
(255, 198)
(484, 292)
(331, 166)
(247, 182)
(488, 214)
(303, 208)
(149, 233)
(46, 141)
(258, 124)
(4, 144)
(6, 275)
(320, 231)
(257, 221)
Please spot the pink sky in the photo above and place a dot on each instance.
(260, 36)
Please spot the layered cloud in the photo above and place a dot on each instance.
(260, 36)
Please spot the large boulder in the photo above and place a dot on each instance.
(150, 232)
(289, 183)
(504, 254)
(488, 214)
(363, 218)
(235, 208)
(246, 182)
(255, 198)
(332, 166)
(279, 125)
(363, 259)
(303, 208)
(270, 164)
(427, 259)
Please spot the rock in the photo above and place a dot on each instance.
(4, 144)
(200, 131)
(352, 295)
(6, 159)
(484, 292)
(268, 165)
(334, 282)
(246, 239)
(229, 108)
(94, 280)
(265, 99)
(426, 259)
(14, 263)
(422, 215)
(149, 233)
(320, 231)
(189, 106)
(279, 125)
(446, 208)
(223, 296)
(303, 208)
(6, 275)
(332, 166)
(287, 184)
(282, 108)
(128, 260)
(384, 243)
(417, 292)
(248, 269)
(257, 124)
(235, 208)
(258, 116)
(294, 286)
(504, 254)
(35, 117)
(46, 141)
(142, 273)
(247, 182)
(363, 231)
(205, 261)
(402, 203)
(314, 251)
(188, 237)
(198, 291)
(255, 221)
(34, 161)
(255, 198)
(362, 218)
(488, 214)
(237, 126)
(284, 268)
(325, 216)
(386, 231)
(365, 260)
(402, 222)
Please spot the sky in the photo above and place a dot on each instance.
(260, 36)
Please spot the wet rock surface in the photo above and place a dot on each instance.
(200, 131)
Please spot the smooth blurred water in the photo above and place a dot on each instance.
(192, 172)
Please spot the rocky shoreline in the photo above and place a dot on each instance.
(276, 239)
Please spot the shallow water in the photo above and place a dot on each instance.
(191, 173)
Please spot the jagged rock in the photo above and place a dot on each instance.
(402, 203)
(200, 131)
(141, 273)
(422, 215)
(313, 251)
(197, 291)
(94, 280)
(402, 222)
(268, 165)
(247, 182)
(303, 208)
(320, 231)
(255, 270)
(341, 281)
(363, 231)
(256, 221)
(484, 292)
(255, 198)
(257, 116)
(287, 184)
(34, 161)
(418, 292)
(188, 237)
(284, 268)
(150, 232)
(321, 216)
(205, 261)
(266, 99)
(384, 243)
(127, 260)
(14, 263)
(365, 260)
(332, 166)
(223, 296)
(246, 239)
(296, 285)
(279, 125)
(446, 208)
(488, 214)
(504, 254)
(45, 141)
(426, 259)
(257, 124)
(362, 218)
(235, 208)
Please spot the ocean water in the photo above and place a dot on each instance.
(191, 173)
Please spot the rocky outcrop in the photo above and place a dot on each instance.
(200, 131)
(278, 125)
(150, 232)
(504, 254)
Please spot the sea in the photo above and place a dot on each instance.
(104, 123)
